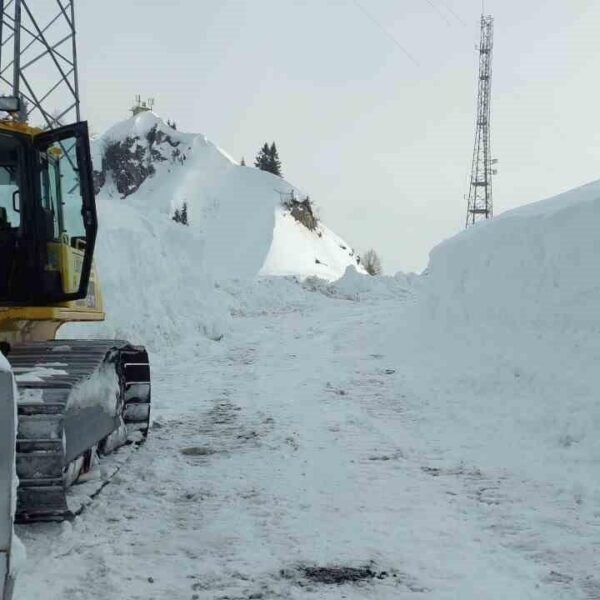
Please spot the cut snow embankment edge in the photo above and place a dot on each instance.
(506, 330)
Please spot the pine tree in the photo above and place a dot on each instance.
(172, 124)
(268, 159)
(274, 162)
(243, 163)
(177, 216)
(262, 160)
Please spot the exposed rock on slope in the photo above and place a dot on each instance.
(131, 161)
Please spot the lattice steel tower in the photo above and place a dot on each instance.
(38, 61)
(480, 205)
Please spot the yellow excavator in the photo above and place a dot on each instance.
(63, 402)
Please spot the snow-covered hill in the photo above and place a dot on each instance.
(244, 216)
(160, 279)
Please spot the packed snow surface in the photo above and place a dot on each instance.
(429, 436)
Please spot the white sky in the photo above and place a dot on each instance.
(383, 146)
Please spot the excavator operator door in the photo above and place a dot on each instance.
(47, 216)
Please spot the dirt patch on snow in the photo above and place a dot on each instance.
(198, 451)
(337, 575)
(311, 575)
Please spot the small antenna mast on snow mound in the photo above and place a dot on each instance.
(38, 62)
(141, 105)
(480, 204)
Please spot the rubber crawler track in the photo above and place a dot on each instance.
(57, 436)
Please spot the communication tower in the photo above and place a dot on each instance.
(480, 204)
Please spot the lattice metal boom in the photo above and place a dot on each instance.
(480, 204)
(38, 60)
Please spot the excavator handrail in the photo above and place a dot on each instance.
(8, 418)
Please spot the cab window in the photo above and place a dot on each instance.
(51, 204)
(61, 192)
(10, 216)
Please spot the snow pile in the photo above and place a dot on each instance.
(155, 289)
(537, 266)
(506, 329)
(360, 287)
(356, 285)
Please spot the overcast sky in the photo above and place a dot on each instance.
(381, 144)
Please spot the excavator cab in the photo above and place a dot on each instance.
(48, 219)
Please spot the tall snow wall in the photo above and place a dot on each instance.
(537, 266)
(505, 331)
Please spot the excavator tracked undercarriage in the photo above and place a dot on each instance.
(78, 399)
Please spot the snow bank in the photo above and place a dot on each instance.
(156, 291)
(506, 333)
(537, 266)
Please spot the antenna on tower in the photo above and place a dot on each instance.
(141, 105)
(480, 205)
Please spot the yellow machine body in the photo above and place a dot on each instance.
(40, 323)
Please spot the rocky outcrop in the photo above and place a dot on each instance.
(129, 162)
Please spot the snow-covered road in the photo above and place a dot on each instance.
(297, 452)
